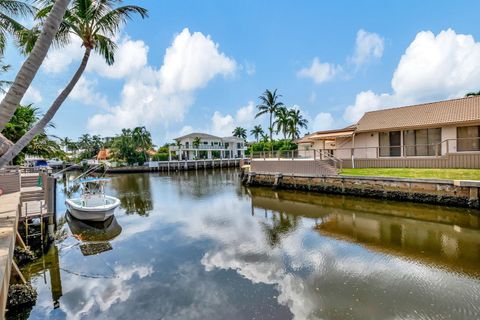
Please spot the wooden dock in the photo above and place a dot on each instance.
(25, 195)
(9, 206)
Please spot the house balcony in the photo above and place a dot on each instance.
(204, 147)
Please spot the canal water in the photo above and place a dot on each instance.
(198, 245)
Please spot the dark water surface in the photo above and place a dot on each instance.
(200, 246)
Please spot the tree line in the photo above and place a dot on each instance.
(282, 120)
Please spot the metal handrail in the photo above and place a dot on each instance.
(338, 163)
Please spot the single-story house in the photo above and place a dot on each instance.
(442, 134)
(209, 147)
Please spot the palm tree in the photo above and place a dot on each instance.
(257, 132)
(9, 10)
(269, 104)
(65, 143)
(297, 121)
(240, 133)
(196, 142)
(282, 121)
(264, 138)
(23, 119)
(142, 139)
(95, 23)
(31, 65)
(472, 94)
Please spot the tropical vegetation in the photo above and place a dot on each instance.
(240, 132)
(97, 24)
(257, 132)
(269, 104)
(43, 145)
(27, 72)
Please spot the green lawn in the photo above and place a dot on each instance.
(451, 174)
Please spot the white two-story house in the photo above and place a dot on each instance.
(196, 146)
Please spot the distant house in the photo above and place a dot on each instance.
(209, 147)
(437, 134)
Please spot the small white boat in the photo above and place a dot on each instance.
(93, 204)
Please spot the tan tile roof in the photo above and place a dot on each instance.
(456, 111)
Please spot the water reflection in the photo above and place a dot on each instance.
(454, 243)
(134, 192)
(94, 236)
(210, 249)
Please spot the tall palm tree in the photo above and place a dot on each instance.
(65, 143)
(84, 141)
(196, 142)
(282, 121)
(96, 23)
(257, 132)
(240, 133)
(297, 121)
(142, 139)
(269, 104)
(31, 65)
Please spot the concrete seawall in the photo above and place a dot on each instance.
(441, 192)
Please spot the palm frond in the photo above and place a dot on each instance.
(111, 22)
(106, 48)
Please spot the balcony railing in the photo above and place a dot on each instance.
(205, 147)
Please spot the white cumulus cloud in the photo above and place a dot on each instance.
(368, 45)
(154, 97)
(319, 72)
(86, 93)
(191, 62)
(131, 56)
(323, 121)
(433, 67)
(32, 95)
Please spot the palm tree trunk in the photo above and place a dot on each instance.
(4, 144)
(14, 150)
(34, 60)
(270, 128)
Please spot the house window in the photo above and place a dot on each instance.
(227, 145)
(468, 138)
(389, 143)
(186, 144)
(239, 145)
(423, 142)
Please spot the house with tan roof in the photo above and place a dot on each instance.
(443, 134)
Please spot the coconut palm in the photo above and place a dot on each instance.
(196, 142)
(269, 104)
(9, 10)
(96, 23)
(282, 121)
(296, 122)
(23, 119)
(142, 139)
(240, 133)
(257, 132)
(31, 65)
(65, 143)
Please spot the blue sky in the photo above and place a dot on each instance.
(200, 65)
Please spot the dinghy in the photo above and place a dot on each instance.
(93, 204)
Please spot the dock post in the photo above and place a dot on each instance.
(51, 197)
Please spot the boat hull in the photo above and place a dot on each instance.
(98, 213)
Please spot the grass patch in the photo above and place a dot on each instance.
(450, 174)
